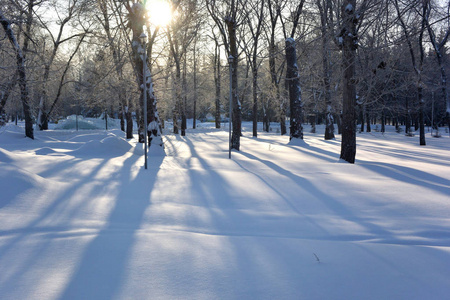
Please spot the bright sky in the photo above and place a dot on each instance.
(159, 11)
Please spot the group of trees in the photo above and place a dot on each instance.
(333, 61)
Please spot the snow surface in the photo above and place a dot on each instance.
(80, 218)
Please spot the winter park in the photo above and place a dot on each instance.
(238, 149)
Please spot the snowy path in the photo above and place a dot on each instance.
(81, 219)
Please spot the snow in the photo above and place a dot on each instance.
(80, 217)
(349, 8)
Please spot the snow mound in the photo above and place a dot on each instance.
(110, 146)
(298, 142)
(11, 132)
(14, 181)
(5, 156)
(45, 151)
(88, 137)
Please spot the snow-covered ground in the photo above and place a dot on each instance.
(80, 217)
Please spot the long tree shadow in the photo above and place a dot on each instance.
(410, 176)
(46, 224)
(330, 202)
(308, 149)
(208, 184)
(102, 268)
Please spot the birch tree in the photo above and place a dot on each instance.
(22, 74)
(136, 21)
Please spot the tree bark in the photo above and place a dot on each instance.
(329, 126)
(236, 135)
(349, 46)
(21, 70)
(217, 82)
(295, 101)
(153, 126)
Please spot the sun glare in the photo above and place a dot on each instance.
(159, 12)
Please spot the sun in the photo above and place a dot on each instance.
(159, 12)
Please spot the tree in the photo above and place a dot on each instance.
(438, 47)
(74, 8)
(136, 18)
(180, 34)
(417, 67)
(349, 43)
(118, 56)
(227, 22)
(275, 7)
(255, 17)
(292, 76)
(324, 7)
(22, 74)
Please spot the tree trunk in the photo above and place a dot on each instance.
(369, 129)
(183, 100)
(217, 81)
(349, 46)
(255, 96)
(21, 70)
(195, 88)
(236, 135)
(421, 116)
(129, 123)
(295, 101)
(329, 126)
(153, 126)
(407, 119)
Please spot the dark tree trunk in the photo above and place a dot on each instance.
(195, 88)
(283, 127)
(255, 98)
(329, 129)
(129, 123)
(295, 101)
(421, 116)
(407, 121)
(349, 46)
(183, 100)
(217, 80)
(361, 117)
(122, 117)
(236, 135)
(369, 129)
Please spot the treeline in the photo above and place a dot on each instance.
(355, 62)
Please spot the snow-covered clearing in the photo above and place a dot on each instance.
(80, 218)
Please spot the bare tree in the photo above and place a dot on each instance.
(292, 75)
(22, 74)
(227, 17)
(325, 8)
(254, 22)
(180, 34)
(275, 7)
(438, 46)
(118, 55)
(136, 18)
(417, 66)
